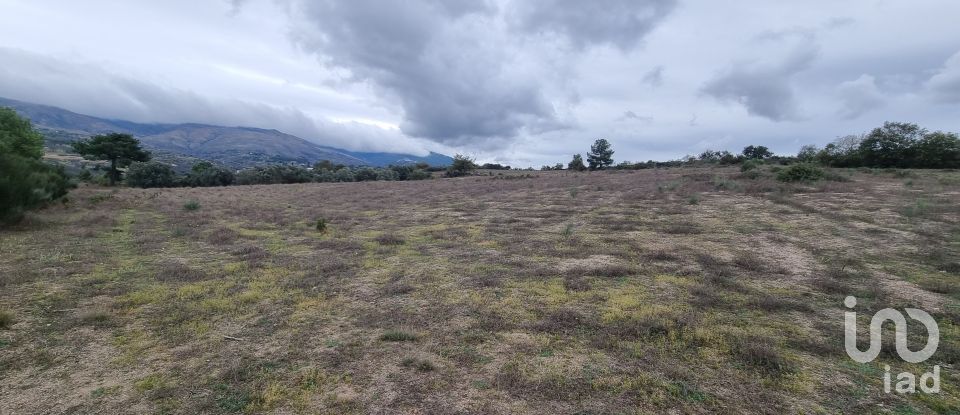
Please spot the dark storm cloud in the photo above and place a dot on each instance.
(452, 85)
(620, 23)
(454, 67)
(765, 88)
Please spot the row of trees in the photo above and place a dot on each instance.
(895, 144)
(600, 157)
(206, 174)
(26, 182)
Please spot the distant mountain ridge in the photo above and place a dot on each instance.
(237, 147)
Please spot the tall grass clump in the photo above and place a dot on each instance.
(6, 319)
(191, 206)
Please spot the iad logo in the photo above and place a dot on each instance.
(906, 381)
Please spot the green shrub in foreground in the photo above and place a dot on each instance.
(801, 172)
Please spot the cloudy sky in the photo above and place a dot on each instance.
(513, 81)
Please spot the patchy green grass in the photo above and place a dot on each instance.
(652, 291)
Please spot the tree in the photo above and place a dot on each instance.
(26, 182)
(756, 152)
(937, 150)
(891, 145)
(206, 174)
(17, 136)
(325, 165)
(808, 153)
(119, 149)
(842, 152)
(600, 155)
(461, 166)
(576, 164)
(151, 174)
(494, 166)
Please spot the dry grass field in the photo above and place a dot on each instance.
(653, 291)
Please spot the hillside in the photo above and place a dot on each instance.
(237, 147)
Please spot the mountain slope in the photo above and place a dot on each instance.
(386, 159)
(237, 147)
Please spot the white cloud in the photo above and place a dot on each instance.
(859, 96)
(944, 86)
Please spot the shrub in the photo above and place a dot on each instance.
(27, 183)
(6, 319)
(278, 174)
(762, 354)
(461, 166)
(398, 336)
(418, 364)
(406, 172)
(205, 174)
(191, 205)
(85, 176)
(750, 164)
(920, 208)
(390, 239)
(801, 172)
(150, 174)
(322, 225)
(366, 174)
(96, 318)
(723, 183)
(419, 174)
(835, 177)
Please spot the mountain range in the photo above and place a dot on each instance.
(237, 147)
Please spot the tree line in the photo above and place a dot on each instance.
(893, 145)
(26, 182)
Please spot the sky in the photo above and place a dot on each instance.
(519, 82)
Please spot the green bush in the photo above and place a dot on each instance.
(750, 164)
(366, 174)
(461, 166)
(28, 184)
(801, 172)
(17, 136)
(85, 176)
(205, 174)
(191, 205)
(321, 225)
(398, 336)
(278, 174)
(151, 174)
(6, 319)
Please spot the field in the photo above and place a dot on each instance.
(653, 291)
